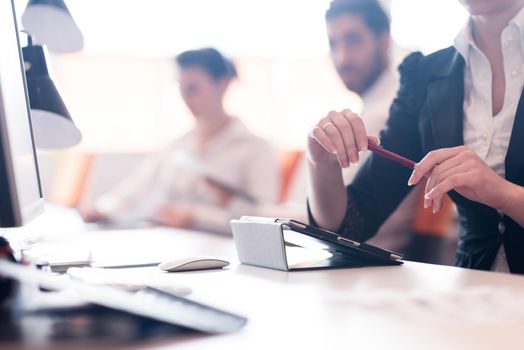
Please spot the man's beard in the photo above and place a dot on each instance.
(360, 87)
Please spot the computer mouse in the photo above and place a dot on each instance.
(192, 264)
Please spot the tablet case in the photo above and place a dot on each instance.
(273, 245)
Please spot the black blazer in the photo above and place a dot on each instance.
(426, 115)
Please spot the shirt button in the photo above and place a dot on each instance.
(514, 72)
(502, 227)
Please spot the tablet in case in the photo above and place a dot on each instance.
(278, 244)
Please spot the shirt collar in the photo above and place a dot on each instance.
(517, 26)
(518, 21)
(375, 90)
(464, 40)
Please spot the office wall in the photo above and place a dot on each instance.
(132, 103)
(121, 89)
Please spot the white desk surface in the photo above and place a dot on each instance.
(314, 309)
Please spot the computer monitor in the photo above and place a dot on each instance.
(20, 189)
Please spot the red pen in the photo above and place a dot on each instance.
(390, 155)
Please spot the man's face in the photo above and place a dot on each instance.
(358, 53)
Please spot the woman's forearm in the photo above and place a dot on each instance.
(515, 206)
(334, 142)
(327, 195)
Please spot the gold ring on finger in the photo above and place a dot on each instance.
(325, 126)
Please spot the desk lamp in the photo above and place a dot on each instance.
(49, 22)
(52, 123)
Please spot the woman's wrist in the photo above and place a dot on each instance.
(329, 163)
(321, 173)
(515, 199)
(326, 194)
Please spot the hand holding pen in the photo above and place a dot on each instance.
(338, 137)
(343, 135)
(334, 142)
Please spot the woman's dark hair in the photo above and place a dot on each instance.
(370, 10)
(210, 60)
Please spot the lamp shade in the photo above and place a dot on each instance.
(50, 23)
(52, 124)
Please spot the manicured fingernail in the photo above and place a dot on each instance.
(411, 180)
(426, 203)
(435, 210)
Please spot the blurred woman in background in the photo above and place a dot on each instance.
(217, 171)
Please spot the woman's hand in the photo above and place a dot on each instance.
(224, 195)
(175, 216)
(337, 138)
(91, 215)
(460, 169)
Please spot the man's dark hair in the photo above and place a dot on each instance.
(370, 10)
(210, 60)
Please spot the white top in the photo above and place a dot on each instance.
(487, 135)
(181, 175)
(395, 232)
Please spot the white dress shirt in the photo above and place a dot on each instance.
(488, 135)
(180, 175)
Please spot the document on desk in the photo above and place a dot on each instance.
(473, 305)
